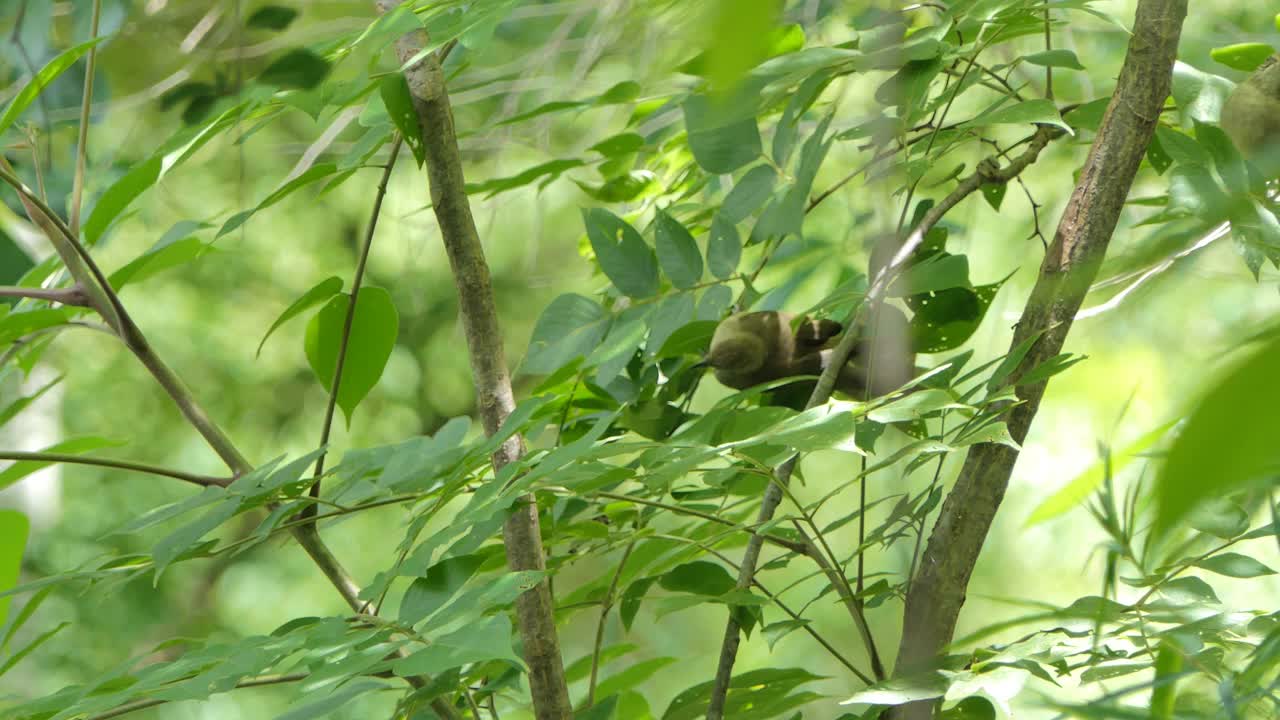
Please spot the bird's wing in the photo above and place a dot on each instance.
(813, 334)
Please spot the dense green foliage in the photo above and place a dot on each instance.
(636, 171)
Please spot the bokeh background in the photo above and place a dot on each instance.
(1148, 354)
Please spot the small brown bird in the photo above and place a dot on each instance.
(751, 348)
(1251, 117)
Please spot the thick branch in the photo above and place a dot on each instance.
(494, 398)
(1069, 267)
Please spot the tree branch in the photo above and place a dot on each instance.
(494, 397)
(74, 296)
(201, 480)
(1069, 267)
(989, 171)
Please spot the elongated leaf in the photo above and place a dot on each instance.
(749, 194)
(47, 74)
(312, 174)
(723, 134)
(14, 527)
(724, 248)
(677, 252)
(399, 103)
(624, 256)
(15, 325)
(373, 335)
(1227, 442)
(119, 196)
(8, 412)
(321, 292)
(298, 68)
(1080, 488)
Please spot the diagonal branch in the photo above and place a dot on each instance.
(521, 535)
(989, 171)
(1069, 267)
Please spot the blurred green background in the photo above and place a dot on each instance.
(1148, 354)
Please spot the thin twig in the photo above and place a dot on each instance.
(152, 702)
(202, 480)
(74, 296)
(988, 172)
(606, 604)
(82, 144)
(344, 344)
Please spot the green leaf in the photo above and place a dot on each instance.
(624, 257)
(325, 706)
(749, 194)
(938, 271)
(570, 327)
(119, 196)
(399, 104)
(677, 252)
(970, 708)
(8, 412)
(1227, 442)
(312, 174)
(724, 248)
(75, 446)
(321, 292)
(373, 336)
(485, 639)
(1021, 113)
(632, 676)
(699, 578)
(723, 135)
(754, 695)
(441, 583)
(945, 319)
(158, 259)
(1083, 485)
(1234, 565)
(47, 74)
(297, 69)
(173, 545)
(621, 144)
(14, 527)
(900, 690)
(1242, 56)
(740, 36)
(17, 324)
(1168, 667)
(1055, 58)
(548, 170)
(692, 339)
(271, 17)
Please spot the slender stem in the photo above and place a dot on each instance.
(82, 145)
(796, 547)
(606, 604)
(152, 702)
(347, 322)
(65, 296)
(202, 480)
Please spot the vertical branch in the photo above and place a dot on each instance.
(344, 344)
(82, 144)
(1079, 245)
(494, 397)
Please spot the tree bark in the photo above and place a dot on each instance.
(1069, 268)
(494, 398)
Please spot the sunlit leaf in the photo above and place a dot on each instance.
(1228, 440)
(677, 252)
(622, 253)
(374, 330)
(321, 292)
(42, 79)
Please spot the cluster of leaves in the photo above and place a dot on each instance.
(627, 474)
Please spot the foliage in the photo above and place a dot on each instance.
(701, 191)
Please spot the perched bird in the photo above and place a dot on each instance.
(1251, 117)
(751, 348)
